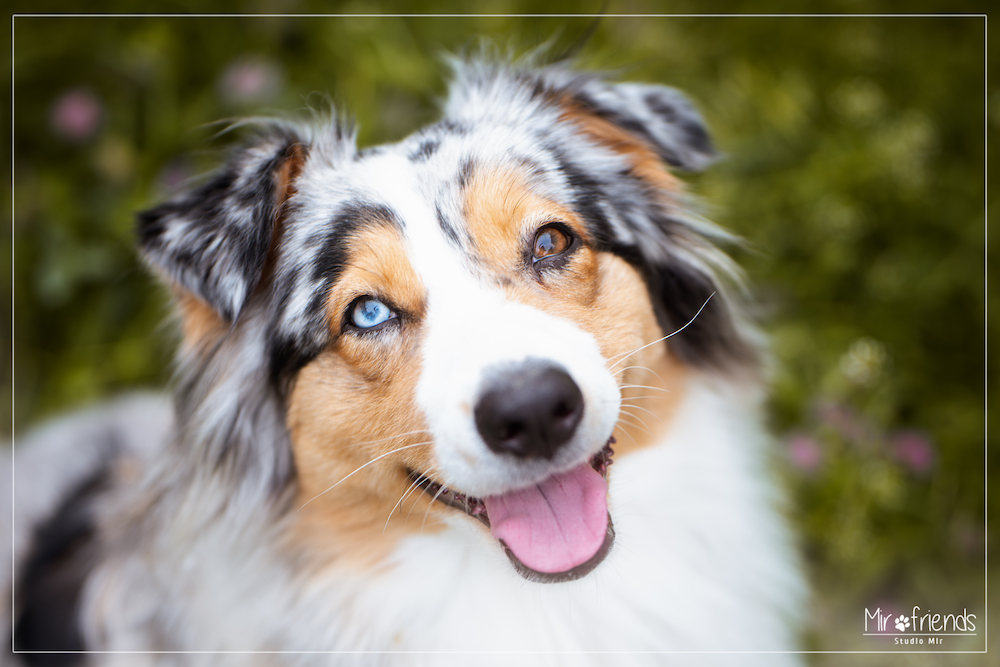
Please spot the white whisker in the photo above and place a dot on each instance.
(359, 469)
(430, 505)
(399, 502)
(639, 425)
(430, 477)
(636, 407)
(643, 386)
(627, 434)
(391, 437)
(649, 370)
(660, 340)
(641, 368)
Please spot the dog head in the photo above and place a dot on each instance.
(453, 320)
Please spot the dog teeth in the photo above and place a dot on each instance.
(604, 458)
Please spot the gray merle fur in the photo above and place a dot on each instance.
(52, 577)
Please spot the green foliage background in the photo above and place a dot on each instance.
(854, 170)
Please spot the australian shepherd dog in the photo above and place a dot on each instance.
(479, 391)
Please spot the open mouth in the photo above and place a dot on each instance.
(557, 530)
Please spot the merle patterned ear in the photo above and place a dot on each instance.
(662, 116)
(673, 248)
(213, 241)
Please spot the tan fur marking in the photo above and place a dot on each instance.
(290, 169)
(284, 187)
(646, 164)
(339, 422)
(356, 402)
(496, 205)
(378, 266)
(200, 324)
(503, 214)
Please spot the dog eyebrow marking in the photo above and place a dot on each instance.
(353, 217)
(332, 257)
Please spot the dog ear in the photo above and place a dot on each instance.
(213, 241)
(654, 127)
(660, 116)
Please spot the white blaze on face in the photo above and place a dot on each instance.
(470, 330)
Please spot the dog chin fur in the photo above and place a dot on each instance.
(247, 515)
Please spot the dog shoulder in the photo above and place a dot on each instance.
(62, 474)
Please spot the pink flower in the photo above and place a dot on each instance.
(76, 115)
(250, 80)
(913, 449)
(804, 453)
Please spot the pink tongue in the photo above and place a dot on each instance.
(555, 525)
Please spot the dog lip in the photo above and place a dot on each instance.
(476, 508)
(471, 505)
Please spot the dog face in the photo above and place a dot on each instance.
(447, 324)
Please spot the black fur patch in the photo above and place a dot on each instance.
(352, 217)
(692, 130)
(448, 228)
(588, 195)
(451, 126)
(426, 149)
(51, 579)
(465, 172)
(711, 339)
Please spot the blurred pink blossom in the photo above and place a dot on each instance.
(76, 114)
(804, 453)
(913, 449)
(251, 80)
(845, 420)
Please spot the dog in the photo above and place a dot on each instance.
(484, 390)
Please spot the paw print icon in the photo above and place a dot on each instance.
(902, 623)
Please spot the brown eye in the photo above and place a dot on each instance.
(550, 241)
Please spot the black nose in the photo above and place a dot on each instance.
(529, 411)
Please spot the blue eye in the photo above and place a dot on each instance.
(369, 312)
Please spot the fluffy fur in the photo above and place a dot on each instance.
(318, 482)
